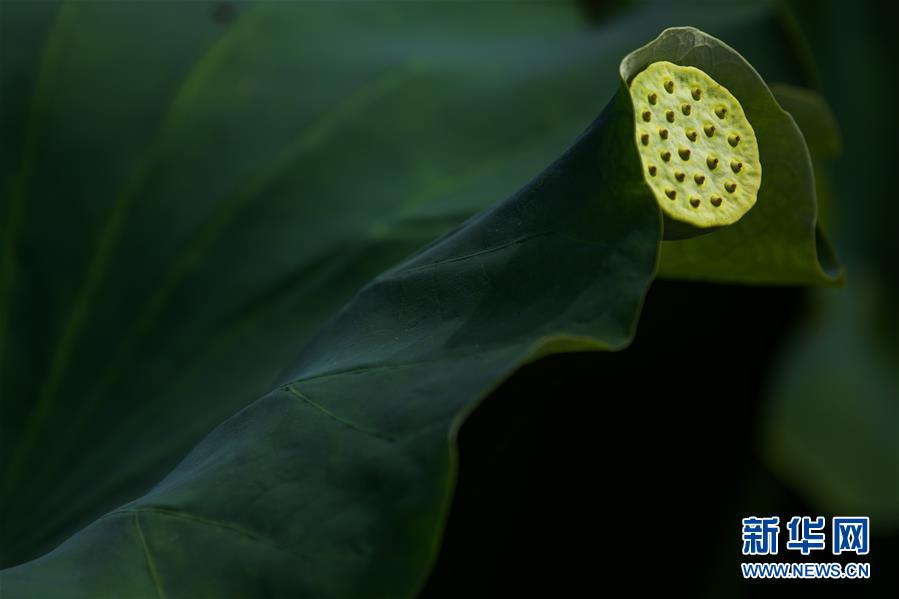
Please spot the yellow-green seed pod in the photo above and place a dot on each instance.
(701, 181)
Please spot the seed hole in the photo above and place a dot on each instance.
(647, 115)
(669, 86)
(697, 93)
(735, 166)
(671, 194)
(716, 201)
(644, 139)
(666, 156)
(679, 176)
(684, 153)
(663, 133)
(720, 112)
(709, 130)
(712, 163)
(694, 202)
(686, 108)
(733, 140)
(700, 179)
(670, 116)
(730, 186)
(652, 170)
(653, 98)
(692, 135)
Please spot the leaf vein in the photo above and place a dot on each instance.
(194, 519)
(151, 563)
(485, 251)
(347, 423)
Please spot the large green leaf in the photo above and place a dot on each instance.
(178, 217)
(181, 219)
(336, 482)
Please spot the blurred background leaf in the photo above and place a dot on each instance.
(831, 429)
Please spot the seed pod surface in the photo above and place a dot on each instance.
(724, 194)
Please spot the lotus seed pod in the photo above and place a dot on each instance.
(700, 182)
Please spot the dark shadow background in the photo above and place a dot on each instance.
(593, 466)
